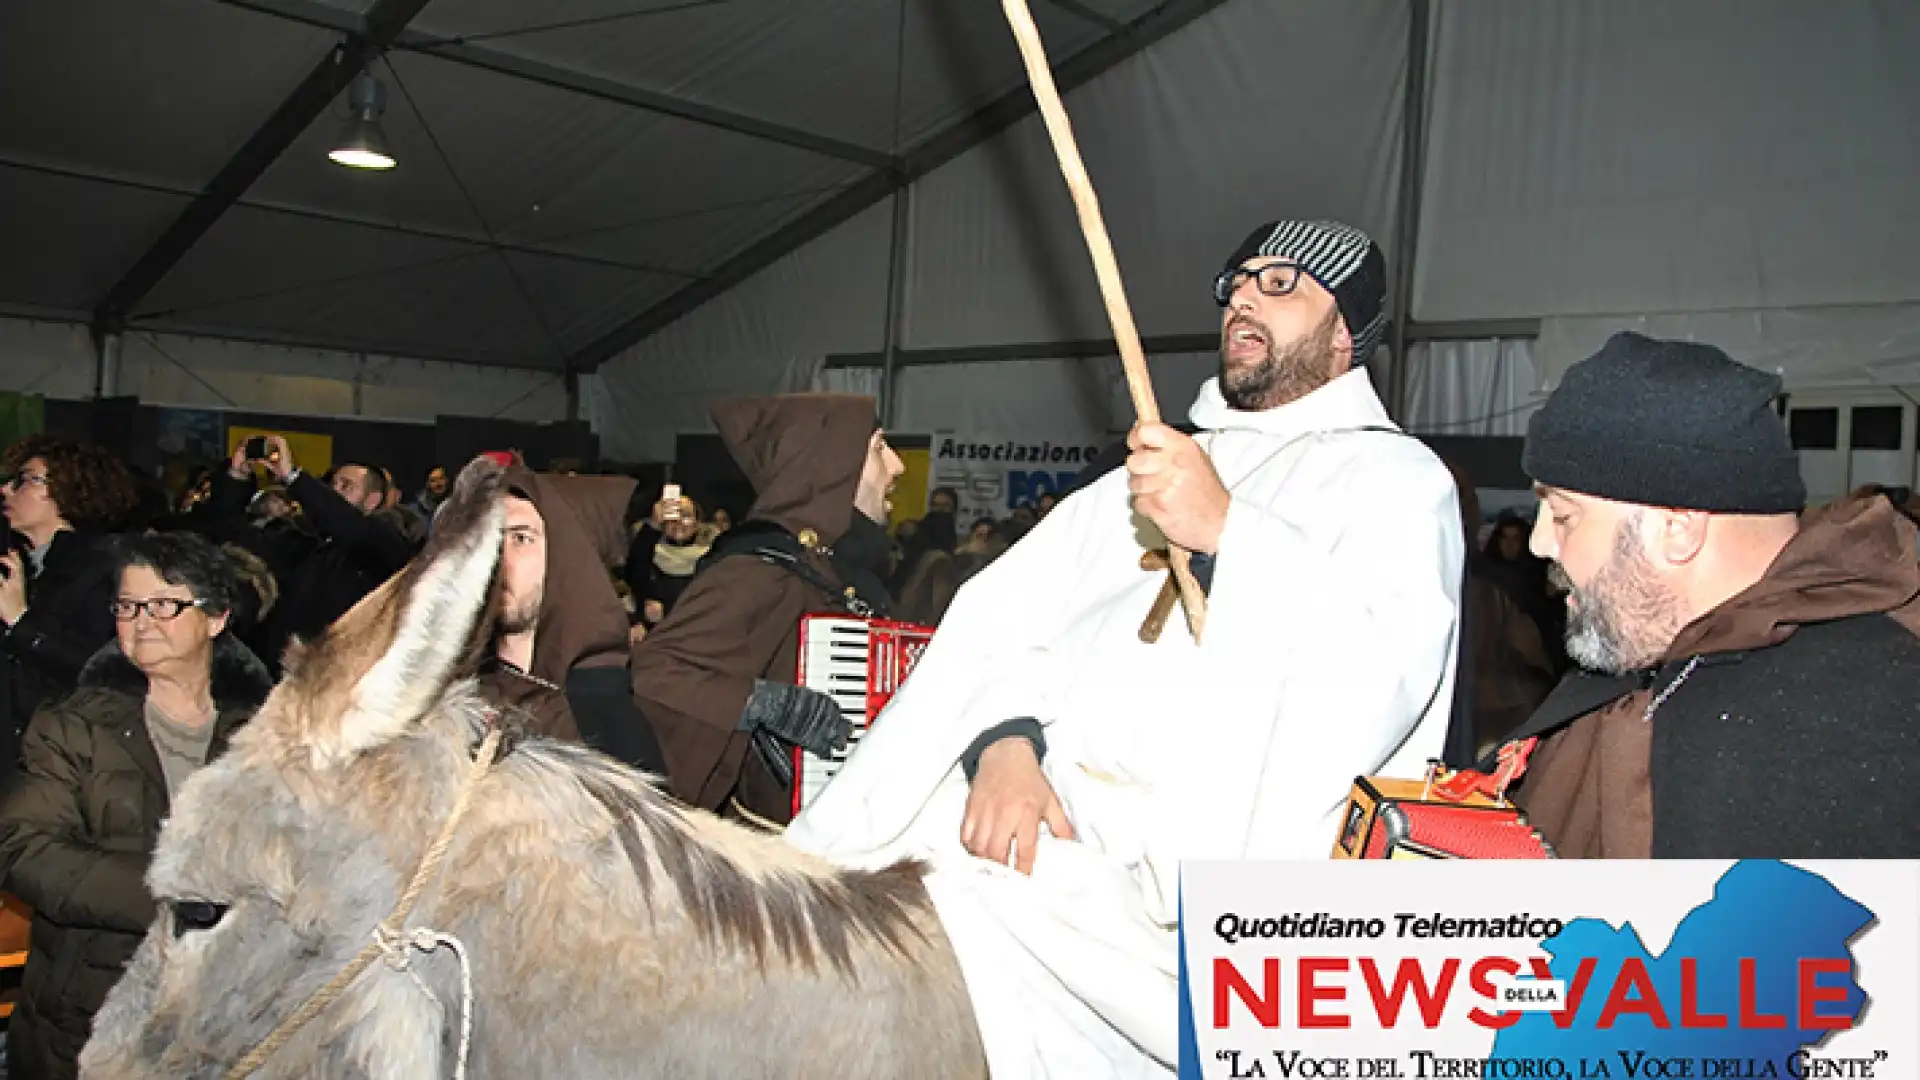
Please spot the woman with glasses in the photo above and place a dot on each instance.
(61, 497)
(98, 772)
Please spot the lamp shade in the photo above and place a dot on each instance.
(362, 145)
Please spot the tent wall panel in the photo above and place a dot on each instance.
(1647, 156)
(1808, 347)
(768, 335)
(54, 359)
(57, 359)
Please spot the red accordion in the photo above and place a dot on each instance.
(1449, 815)
(860, 664)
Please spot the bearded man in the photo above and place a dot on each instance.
(561, 646)
(1053, 769)
(1748, 690)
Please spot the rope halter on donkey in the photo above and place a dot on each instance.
(392, 940)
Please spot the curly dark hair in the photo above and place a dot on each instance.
(184, 558)
(92, 488)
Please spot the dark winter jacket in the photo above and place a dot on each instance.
(76, 833)
(1788, 724)
(739, 620)
(355, 553)
(69, 617)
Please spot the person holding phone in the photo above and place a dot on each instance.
(357, 549)
(665, 551)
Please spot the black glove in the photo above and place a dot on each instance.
(806, 718)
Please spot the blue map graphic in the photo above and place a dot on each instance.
(1769, 912)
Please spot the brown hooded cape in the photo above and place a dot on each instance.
(739, 619)
(583, 625)
(1796, 736)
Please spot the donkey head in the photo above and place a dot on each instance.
(280, 857)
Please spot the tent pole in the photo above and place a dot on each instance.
(896, 288)
(1406, 227)
(106, 371)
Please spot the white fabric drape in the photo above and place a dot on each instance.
(1471, 387)
(849, 380)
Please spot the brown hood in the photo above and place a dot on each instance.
(1854, 557)
(582, 622)
(803, 453)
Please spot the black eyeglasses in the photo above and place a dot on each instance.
(162, 608)
(1273, 279)
(20, 480)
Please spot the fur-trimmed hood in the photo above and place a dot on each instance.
(240, 680)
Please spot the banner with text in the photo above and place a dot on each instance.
(995, 473)
(1563, 969)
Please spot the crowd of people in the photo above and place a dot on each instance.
(1047, 760)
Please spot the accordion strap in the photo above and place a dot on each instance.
(775, 546)
(1512, 763)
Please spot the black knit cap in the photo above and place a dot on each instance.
(1345, 261)
(1667, 423)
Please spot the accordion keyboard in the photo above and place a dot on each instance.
(859, 663)
(833, 660)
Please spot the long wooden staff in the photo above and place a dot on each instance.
(1107, 269)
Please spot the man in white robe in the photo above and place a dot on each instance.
(1334, 548)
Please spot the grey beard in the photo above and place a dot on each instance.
(1625, 618)
(1289, 373)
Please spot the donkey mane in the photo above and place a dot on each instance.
(792, 907)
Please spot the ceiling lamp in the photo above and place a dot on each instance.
(362, 145)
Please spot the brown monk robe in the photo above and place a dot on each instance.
(738, 621)
(578, 687)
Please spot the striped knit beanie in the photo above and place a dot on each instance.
(1345, 261)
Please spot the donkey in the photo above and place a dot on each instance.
(611, 931)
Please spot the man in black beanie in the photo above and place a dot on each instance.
(1749, 675)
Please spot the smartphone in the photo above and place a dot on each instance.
(257, 448)
(670, 500)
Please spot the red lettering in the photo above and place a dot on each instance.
(1645, 1001)
(1409, 973)
(1228, 983)
(1690, 1014)
(1812, 993)
(1576, 990)
(1483, 985)
(1311, 993)
(1748, 1017)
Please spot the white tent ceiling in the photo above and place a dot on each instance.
(694, 193)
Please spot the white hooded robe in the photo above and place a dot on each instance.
(1328, 653)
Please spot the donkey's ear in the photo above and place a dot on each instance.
(438, 612)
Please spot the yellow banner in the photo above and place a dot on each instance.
(910, 491)
(312, 453)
